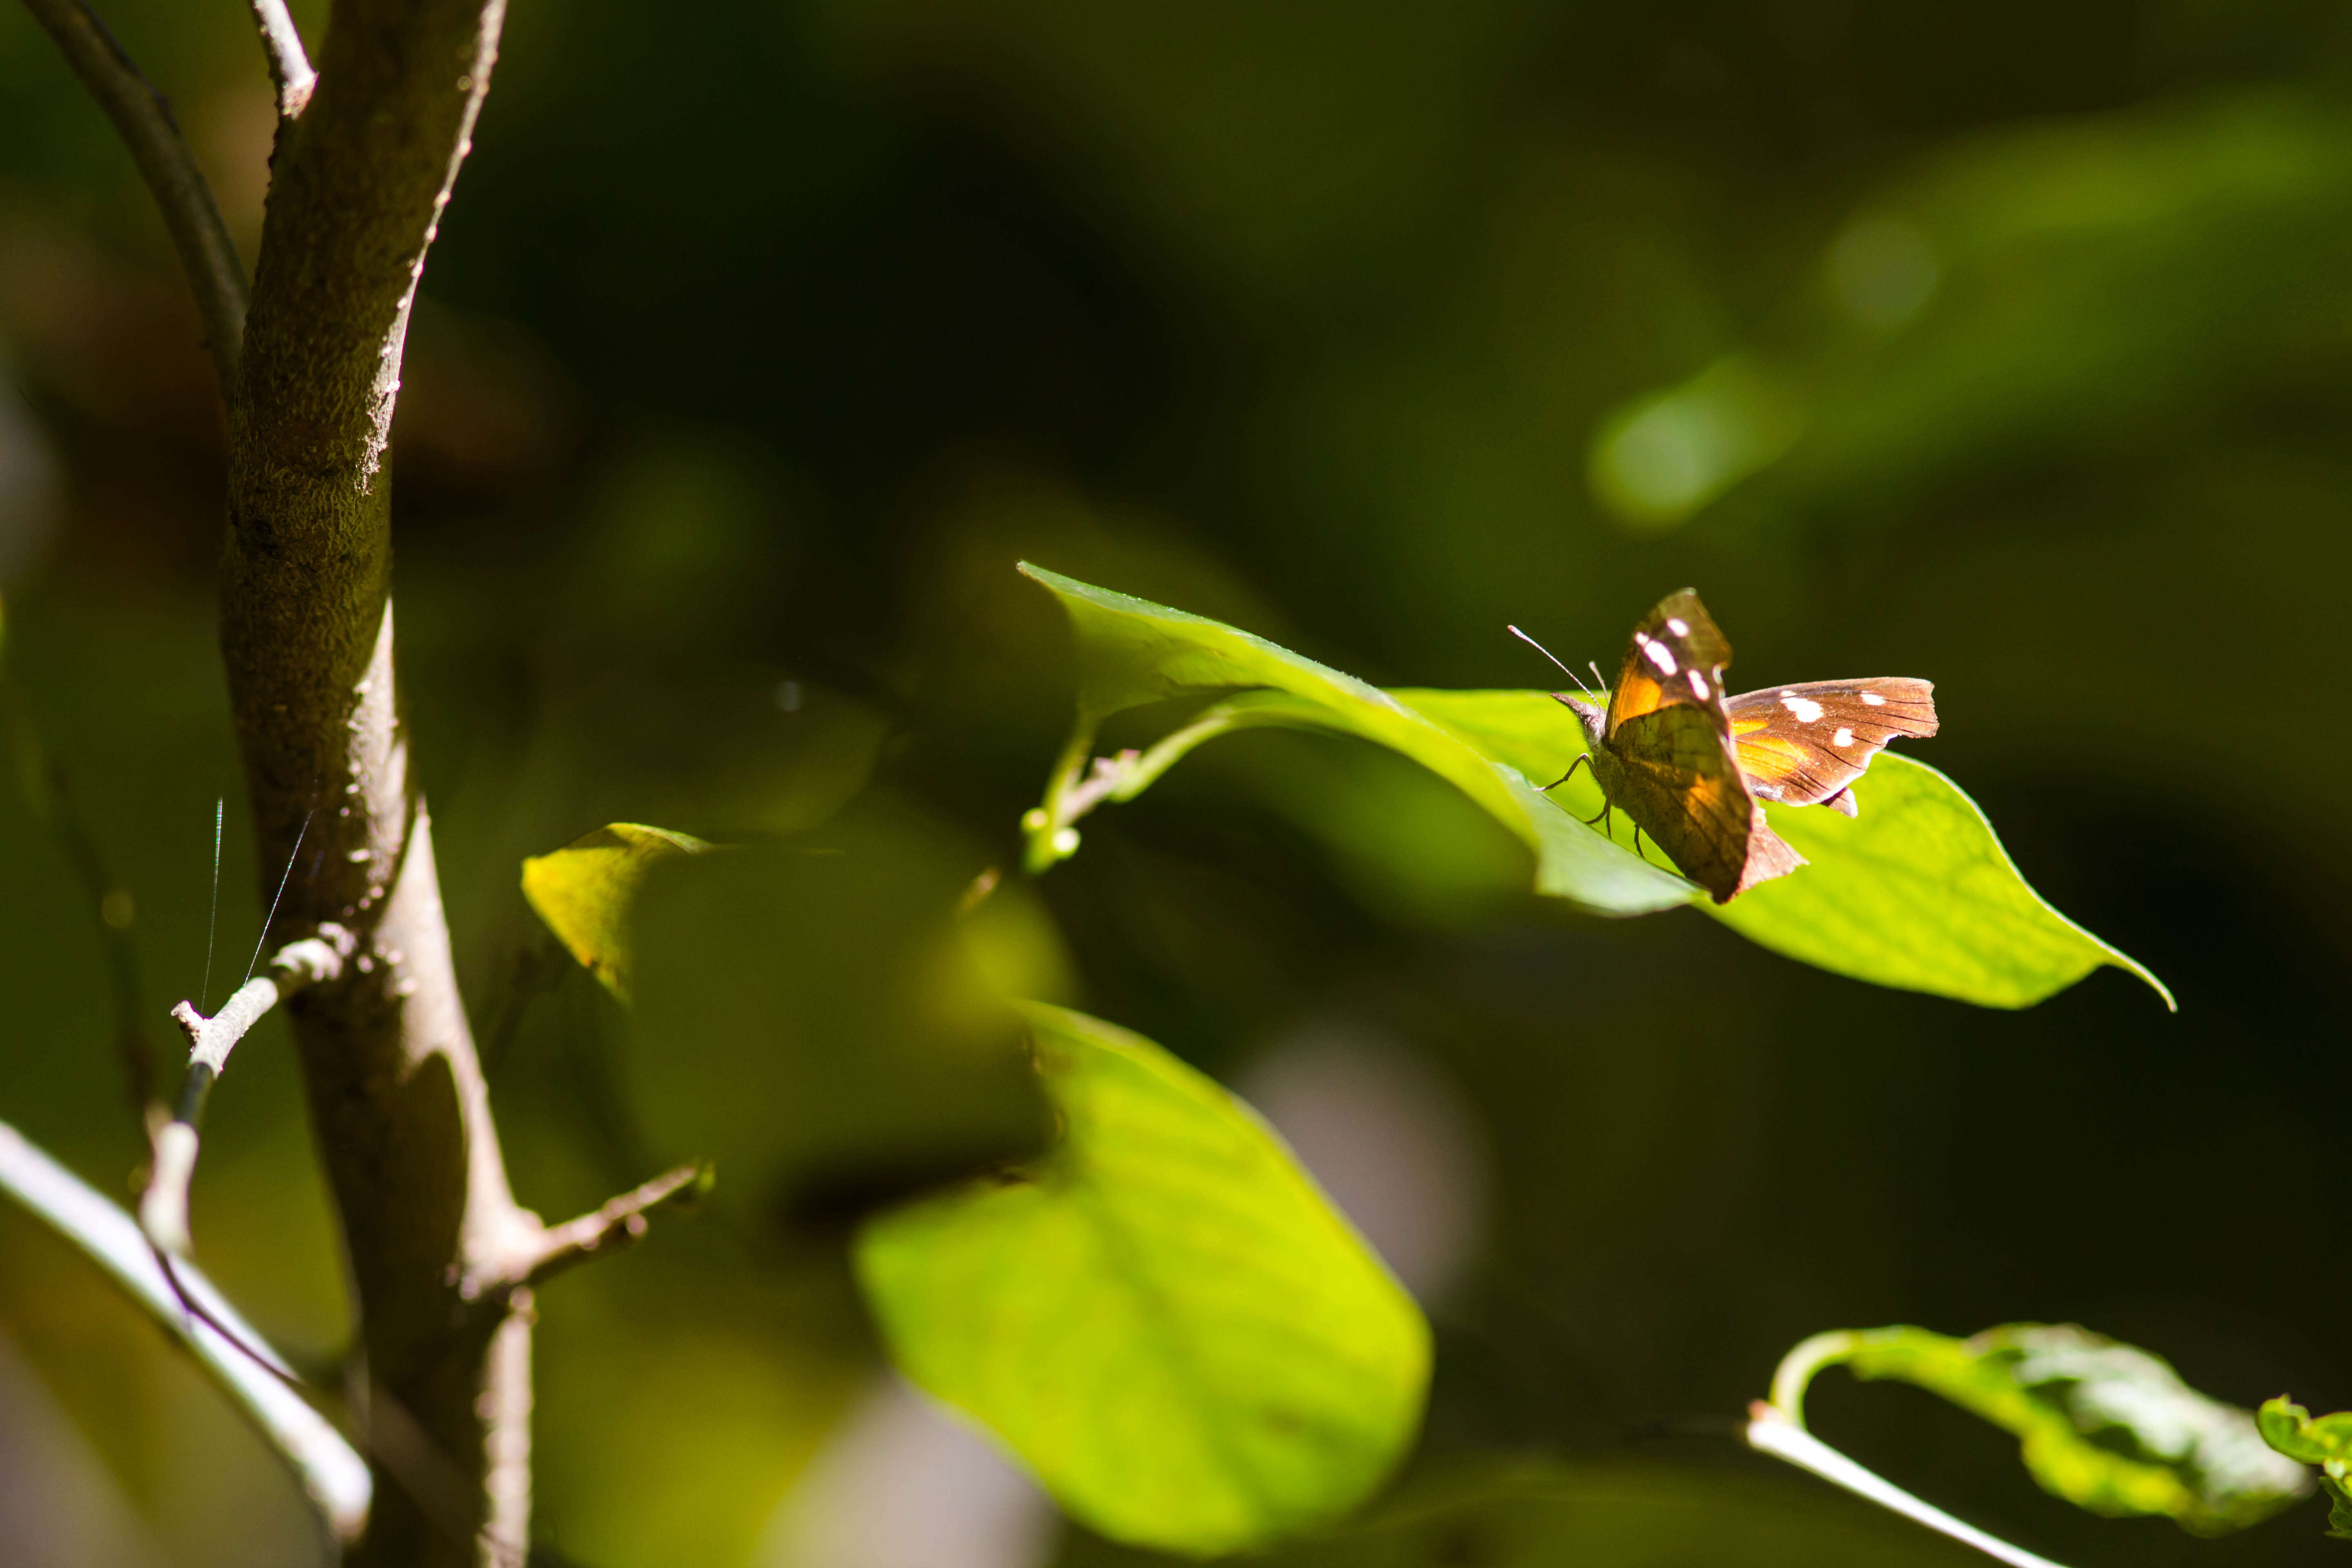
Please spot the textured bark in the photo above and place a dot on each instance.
(396, 1093)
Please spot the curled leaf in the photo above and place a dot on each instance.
(2323, 1440)
(2109, 1427)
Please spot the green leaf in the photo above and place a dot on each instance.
(2107, 1426)
(1916, 892)
(1133, 653)
(2325, 1441)
(1518, 1512)
(1165, 1319)
(584, 889)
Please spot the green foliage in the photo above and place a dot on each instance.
(1134, 653)
(584, 890)
(2325, 1441)
(1916, 892)
(2105, 1426)
(1529, 1513)
(1164, 1317)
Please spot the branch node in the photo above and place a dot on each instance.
(620, 1223)
(163, 1202)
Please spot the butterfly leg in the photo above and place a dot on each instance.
(1581, 758)
(1637, 840)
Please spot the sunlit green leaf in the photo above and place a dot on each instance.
(2325, 1441)
(2107, 1426)
(584, 891)
(1164, 1318)
(1529, 1513)
(1916, 892)
(1133, 652)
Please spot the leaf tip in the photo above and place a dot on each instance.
(2133, 966)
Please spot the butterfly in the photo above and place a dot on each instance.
(1693, 767)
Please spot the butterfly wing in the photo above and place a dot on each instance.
(1676, 776)
(1676, 772)
(1802, 746)
(1674, 659)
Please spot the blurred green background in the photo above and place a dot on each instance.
(2008, 345)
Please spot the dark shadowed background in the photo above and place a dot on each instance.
(2005, 344)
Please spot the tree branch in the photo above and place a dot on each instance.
(163, 1206)
(144, 119)
(289, 64)
(619, 1223)
(397, 1098)
(231, 1354)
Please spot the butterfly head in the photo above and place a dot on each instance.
(1591, 712)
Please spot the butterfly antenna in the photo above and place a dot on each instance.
(1547, 653)
(212, 927)
(281, 892)
(1596, 674)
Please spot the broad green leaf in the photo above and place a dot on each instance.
(1916, 892)
(1529, 1513)
(2325, 1441)
(584, 891)
(1164, 1317)
(2103, 1424)
(1133, 652)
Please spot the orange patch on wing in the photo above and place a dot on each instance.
(1767, 758)
(1636, 694)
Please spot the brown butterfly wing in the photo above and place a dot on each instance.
(1672, 765)
(1676, 776)
(1675, 659)
(1802, 746)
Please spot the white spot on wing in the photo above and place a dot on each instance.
(1874, 700)
(1698, 686)
(1657, 653)
(1844, 737)
(1804, 707)
(1678, 626)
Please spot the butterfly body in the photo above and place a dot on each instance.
(1692, 766)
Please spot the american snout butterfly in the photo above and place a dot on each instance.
(1693, 767)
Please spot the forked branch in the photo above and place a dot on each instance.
(235, 1357)
(163, 1205)
(619, 1223)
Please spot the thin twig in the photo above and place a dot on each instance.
(289, 64)
(328, 1469)
(163, 1205)
(144, 119)
(619, 1223)
(1770, 1431)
